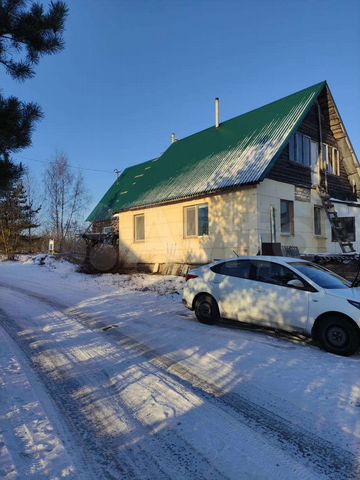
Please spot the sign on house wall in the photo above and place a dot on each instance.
(302, 194)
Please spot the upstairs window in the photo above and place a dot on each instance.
(196, 221)
(292, 154)
(324, 156)
(306, 150)
(331, 159)
(299, 149)
(335, 162)
(300, 152)
(139, 228)
(330, 166)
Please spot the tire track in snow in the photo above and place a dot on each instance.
(318, 454)
(169, 455)
(24, 435)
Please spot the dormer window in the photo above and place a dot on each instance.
(299, 149)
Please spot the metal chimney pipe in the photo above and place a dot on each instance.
(173, 138)
(217, 112)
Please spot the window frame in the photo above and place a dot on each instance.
(331, 162)
(318, 208)
(336, 161)
(136, 216)
(291, 219)
(308, 164)
(197, 207)
(299, 136)
(324, 156)
(297, 141)
(292, 149)
(330, 156)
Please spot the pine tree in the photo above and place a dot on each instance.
(17, 215)
(9, 172)
(16, 124)
(27, 32)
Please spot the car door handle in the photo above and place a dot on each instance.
(259, 290)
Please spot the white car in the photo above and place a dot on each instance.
(279, 292)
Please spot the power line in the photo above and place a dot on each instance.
(46, 162)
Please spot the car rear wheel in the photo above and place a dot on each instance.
(206, 310)
(338, 335)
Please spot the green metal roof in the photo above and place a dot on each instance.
(241, 151)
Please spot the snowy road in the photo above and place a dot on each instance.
(100, 380)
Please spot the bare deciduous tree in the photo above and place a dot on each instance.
(65, 199)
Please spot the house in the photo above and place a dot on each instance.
(285, 172)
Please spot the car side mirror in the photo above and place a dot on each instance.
(296, 283)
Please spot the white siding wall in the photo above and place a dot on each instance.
(232, 227)
(270, 192)
(237, 221)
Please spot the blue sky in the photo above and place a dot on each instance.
(134, 71)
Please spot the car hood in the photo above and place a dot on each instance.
(348, 293)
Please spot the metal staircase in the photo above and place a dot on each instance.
(345, 245)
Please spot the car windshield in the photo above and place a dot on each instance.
(322, 277)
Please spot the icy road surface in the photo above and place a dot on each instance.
(110, 377)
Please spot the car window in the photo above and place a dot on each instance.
(274, 273)
(234, 268)
(322, 277)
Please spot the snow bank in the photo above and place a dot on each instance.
(160, 284)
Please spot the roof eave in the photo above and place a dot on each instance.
(187, 197)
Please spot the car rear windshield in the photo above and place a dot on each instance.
(322, 277)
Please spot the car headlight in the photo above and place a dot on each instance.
(356, 304)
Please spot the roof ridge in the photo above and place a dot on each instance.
(141, 163)
(323, 82)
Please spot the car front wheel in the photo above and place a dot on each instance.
(338, 335)
(206, 309)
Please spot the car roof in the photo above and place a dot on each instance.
(276, 259)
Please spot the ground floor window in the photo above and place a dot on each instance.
(317, 220)
(348, 227)
(287, 216)
(196, 220)
(139, 228)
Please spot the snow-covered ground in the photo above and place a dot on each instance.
(110, 377)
